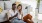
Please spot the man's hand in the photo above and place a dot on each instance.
(13, 16)
(16, 15)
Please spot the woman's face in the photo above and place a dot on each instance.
(19, 7)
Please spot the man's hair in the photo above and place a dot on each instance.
(13, 4)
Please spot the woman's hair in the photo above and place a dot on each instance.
(19, 5)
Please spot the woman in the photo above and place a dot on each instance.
(20, 15)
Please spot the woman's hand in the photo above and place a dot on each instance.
(30, 21)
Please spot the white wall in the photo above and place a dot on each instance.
(33, 4)
(40, 15)
(2, 4)
(25, 11)
(13, 1)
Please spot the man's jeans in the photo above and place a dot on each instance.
(15, 20)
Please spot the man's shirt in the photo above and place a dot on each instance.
(11, 13)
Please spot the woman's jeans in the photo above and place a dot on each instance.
(16, 20)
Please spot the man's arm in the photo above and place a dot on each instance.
(22, 16)
(9, 15)
(13, 16)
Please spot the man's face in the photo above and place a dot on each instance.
(13, 7)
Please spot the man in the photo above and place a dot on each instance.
(12, 12)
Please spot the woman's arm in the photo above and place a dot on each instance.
(30, 21)
(22, 15)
